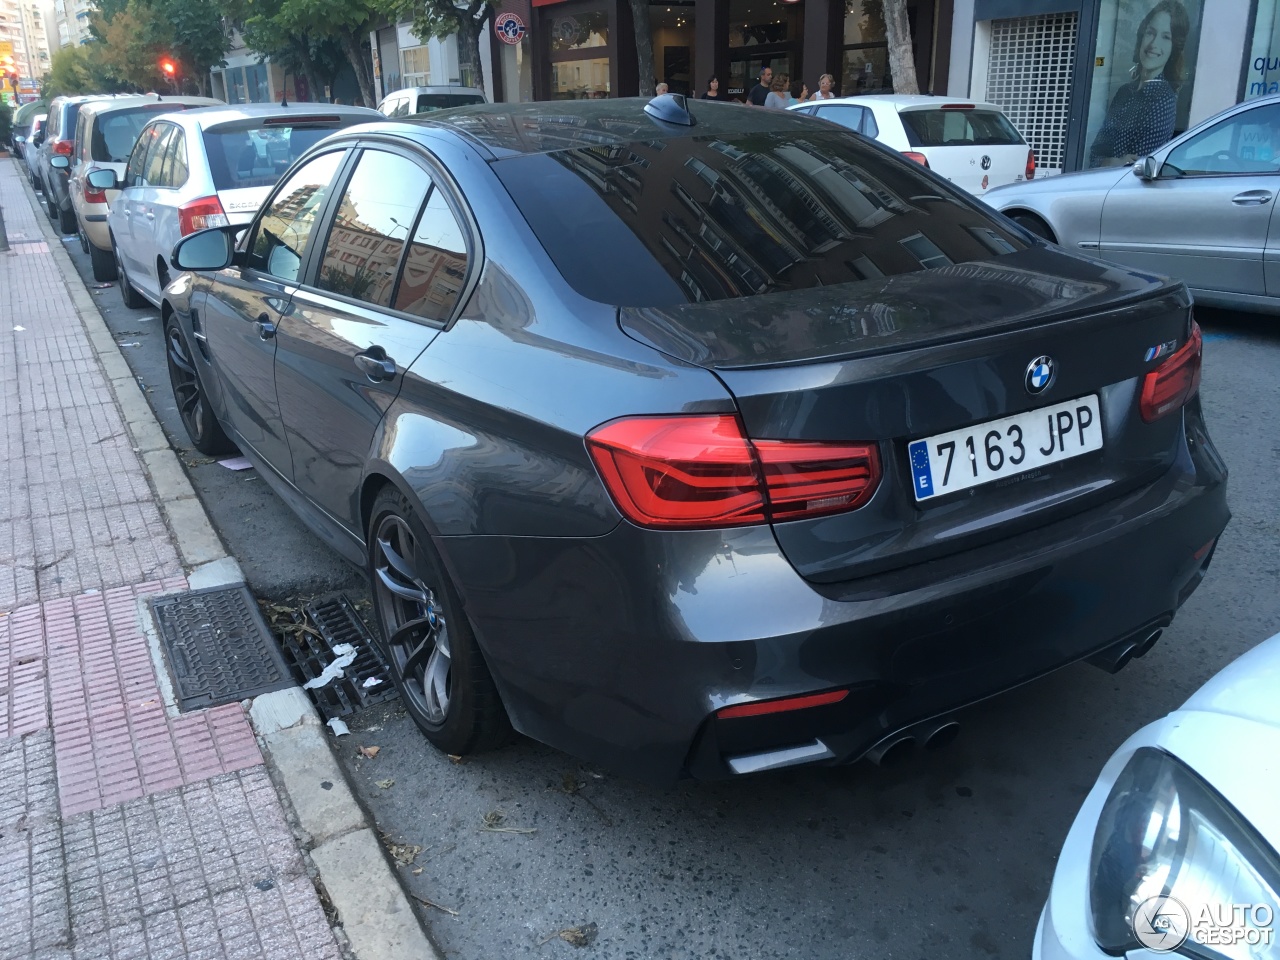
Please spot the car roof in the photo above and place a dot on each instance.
(206, 117)
(908, 101)
(445, 88)
(513, 129)
(142, 100)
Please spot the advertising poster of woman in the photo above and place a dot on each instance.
(1143, 77)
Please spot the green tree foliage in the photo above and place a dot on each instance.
(79, 69)
(133, 36)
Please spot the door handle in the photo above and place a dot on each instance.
(149, 215)
(1252, 198)
(375, 364)
(266, 329)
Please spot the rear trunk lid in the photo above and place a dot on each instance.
(241, 205)
(975, 146)
(978, 169)
(903, 358)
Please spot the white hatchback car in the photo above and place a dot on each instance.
(1174, 849)
(207, 167)
(972, 144)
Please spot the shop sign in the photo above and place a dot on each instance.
(509, 28)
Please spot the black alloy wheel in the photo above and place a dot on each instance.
(434, 658)
(203, 428)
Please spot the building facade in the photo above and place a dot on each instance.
(242, 79)
(72, 19)
(22, 30)
(401, 59)
(1095, 82)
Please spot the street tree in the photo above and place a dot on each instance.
(443, 18)
(302, 53)
(644, 45)
(345, 22)
(135, 34)
(902, 58)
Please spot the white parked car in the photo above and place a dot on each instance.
(207, 167)
(972, 144)
(1174, 850)
(415, 100)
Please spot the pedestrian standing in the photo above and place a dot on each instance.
(825, 84)
(760, 92)
(713, 90)
(779, 95)
(660, 89)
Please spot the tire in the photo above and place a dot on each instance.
(438, 668)
(67, 221)
(203, 428)
(104, 264)
(49, 206)
(1029, 221)
(132, 298)
(84, 242)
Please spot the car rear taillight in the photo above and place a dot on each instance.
(702, 471)
(1031, 165)
(201, 215)
(919, 158)
(93, 194)
(959, 106)
(760, 708)
(62, 147)
(1169, 386)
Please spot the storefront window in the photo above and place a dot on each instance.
(416, 64)
(865, 67)
(580, 79)
(673, 43)
(1263, 74)
(258, 89)
(1142, 79)
(580, 31)
(517, 72)
(236, 92)
(764, 33)
(580, 48)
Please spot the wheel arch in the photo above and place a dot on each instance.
(1013, 213)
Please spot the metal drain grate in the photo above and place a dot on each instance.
(218, 647)
(337, 622)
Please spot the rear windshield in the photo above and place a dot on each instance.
(688, 219)
(116, 132)
(948, 128)
(430, 102)
(248, 153)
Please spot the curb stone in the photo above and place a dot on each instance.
(353, 871)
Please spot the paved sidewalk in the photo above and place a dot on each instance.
(125, 830)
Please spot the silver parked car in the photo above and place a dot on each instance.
(1201, 209)
(208, 167)
(414, 100)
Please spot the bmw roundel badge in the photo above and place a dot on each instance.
(1040, 373)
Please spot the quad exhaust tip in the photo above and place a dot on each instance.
(932, 734)
(1116, 657)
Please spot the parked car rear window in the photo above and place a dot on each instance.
(948, 128)
(116, 132)
(429, 102)
(248, 153)
(663, 222)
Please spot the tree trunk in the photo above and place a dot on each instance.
(902, 58)
(361, 63)
(644, 45)
(469, 44)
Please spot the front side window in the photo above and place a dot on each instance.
(282, 234)
(1249, 142)
(372, 223)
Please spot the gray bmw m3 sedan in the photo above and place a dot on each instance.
(696, 440)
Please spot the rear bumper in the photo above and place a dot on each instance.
(619, 649)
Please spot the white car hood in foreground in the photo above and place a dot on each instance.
(1248, 687)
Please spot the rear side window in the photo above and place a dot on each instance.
(154, 173)
(436, 265)
(138, 159)
(428, 102)
(256, 154)
(115, 133)
(659, 223)
(845, 114)
(948, 128)
(174, 171)
(373, 221)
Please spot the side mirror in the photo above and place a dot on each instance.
(103, 179)
(19, 139)
(1146, 169)
(60, 162)
(207, 250)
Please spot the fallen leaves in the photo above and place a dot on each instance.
(404, 853)
(384, 784)
(492, 824)
(369, 752)
(579, 936)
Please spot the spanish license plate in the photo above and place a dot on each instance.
(1003, 448)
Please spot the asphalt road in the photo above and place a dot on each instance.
(949, 854)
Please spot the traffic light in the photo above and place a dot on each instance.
(168, 67)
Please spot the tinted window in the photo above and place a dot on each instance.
(436, 265)
(943, 128)
(869, 125)
(154, 172)
(427, 102)
(844, 114)
(115, 133)
(702, 218)
(370, 227)
(253, 154)
(1249, 142)
(282, 234)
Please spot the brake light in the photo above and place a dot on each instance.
(781, 705)
(702, 471)
(1031, 164)
(201, 215)
(93, 194)
(919, 158)
(1168, 387)
(958, 106)
(62, 147)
